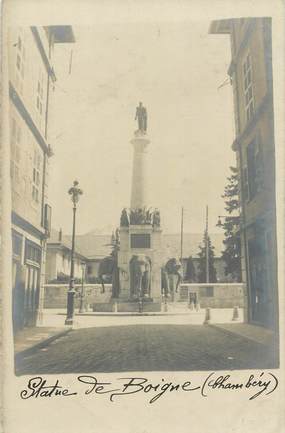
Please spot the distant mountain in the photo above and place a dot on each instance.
(97, 244)
(106, 230)
(92, 244)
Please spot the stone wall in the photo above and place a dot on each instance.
(56, 294)
(215, 295)
(209, 295)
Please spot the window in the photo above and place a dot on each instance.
(35, 194)
(32, 289)
(15, 150)
(33, 253)
(258, 267)
(36, 176)
(269, 255)
(20, 63)
(47, 218)
(140, 240)
(40, 93)
(248, 88)
(245, 184)
(255, 168)
(236, 111)
(16, 245)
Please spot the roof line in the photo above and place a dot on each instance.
(41, 49)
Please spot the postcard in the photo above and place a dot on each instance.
(142, 216)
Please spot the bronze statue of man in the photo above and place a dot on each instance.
(141, 116)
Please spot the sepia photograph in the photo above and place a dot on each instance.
(143, 197)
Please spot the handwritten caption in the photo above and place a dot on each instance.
(256, 385)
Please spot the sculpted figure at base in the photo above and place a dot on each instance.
(171, 277)
(156, 218)
(124, 221)
(107, 271)
(144, 215)
(140, 270)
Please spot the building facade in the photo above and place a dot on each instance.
(58, 260)
(91, 249)
(250, 74)
(31, 84)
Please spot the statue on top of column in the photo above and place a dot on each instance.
(141, 117)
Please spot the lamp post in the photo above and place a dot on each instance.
(232, 217)
(82, 294)
(75, 193)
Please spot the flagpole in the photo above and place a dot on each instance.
(181, 235)
(207, 246)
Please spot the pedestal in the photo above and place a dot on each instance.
(128, 250)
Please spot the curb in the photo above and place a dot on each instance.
(130, 314)
(41, 344)
(231, 333)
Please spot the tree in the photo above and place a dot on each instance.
(115, 241)
(231, 226)
(190, 274)
(202, 261)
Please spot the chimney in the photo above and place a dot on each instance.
(60, 235)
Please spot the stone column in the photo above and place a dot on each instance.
(140, 228)
(139, 198)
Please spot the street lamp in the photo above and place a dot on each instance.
(82, 294)
(75, 193)
(219, 223)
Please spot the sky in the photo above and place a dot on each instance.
(175, 68)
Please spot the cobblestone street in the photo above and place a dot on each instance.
(151, 347)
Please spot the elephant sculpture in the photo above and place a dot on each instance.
(171, 277)
(109, 272)
(140, 270)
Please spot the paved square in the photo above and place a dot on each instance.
(147, 348)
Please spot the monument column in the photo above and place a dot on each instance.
(139, 199)
(140, 253)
